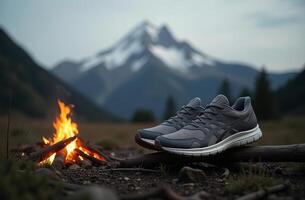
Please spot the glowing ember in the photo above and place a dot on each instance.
(66, 128)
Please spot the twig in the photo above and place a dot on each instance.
(131, 169)
(264, 192)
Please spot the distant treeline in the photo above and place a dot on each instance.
(268, 104)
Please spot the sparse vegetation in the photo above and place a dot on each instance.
(18, 181)
(250, 180)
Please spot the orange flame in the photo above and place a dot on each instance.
(66, 128)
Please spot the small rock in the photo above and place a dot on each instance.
(126, 178)
(175, 180)
(74, 167)
(188, 174)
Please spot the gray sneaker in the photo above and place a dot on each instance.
(218, 128)
(146, 137)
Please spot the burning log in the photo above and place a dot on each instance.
(49, 150)
(59, 160)
(91, 147)
(281, 153)
(91, 158)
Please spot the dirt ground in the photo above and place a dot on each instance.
(119, 138)
(242, 179)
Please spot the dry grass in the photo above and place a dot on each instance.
(250, 180)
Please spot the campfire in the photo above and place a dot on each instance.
(66, 147)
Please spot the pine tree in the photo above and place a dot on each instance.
(170, 108)
(245, 92)
(225, 89)
(263, 98)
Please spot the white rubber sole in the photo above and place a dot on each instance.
(238, 139)
(152, 142)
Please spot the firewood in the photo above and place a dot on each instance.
(264, 192)
(91, 158)
(93, 148)
(49, 150)
(281, 153)
(59, 160)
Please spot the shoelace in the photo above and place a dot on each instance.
(208, 114)
(180, 115)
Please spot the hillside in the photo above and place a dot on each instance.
(34, 90)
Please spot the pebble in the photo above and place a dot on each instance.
(126, 178)
(86, 182)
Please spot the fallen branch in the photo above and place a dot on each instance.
(263, 193)
(281, 153)
(91, 158)
(49, 150)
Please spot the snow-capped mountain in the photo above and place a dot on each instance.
(149, 64)
(148, 38)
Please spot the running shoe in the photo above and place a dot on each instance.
(146, 137)
(218, 128)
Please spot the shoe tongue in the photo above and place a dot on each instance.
(220, 100)
(194, 103)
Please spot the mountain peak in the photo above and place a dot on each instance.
(165, 37)
(145, 28)
(146, 40)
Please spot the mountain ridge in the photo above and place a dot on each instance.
(154, 53)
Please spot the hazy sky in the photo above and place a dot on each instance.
(269, 32)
